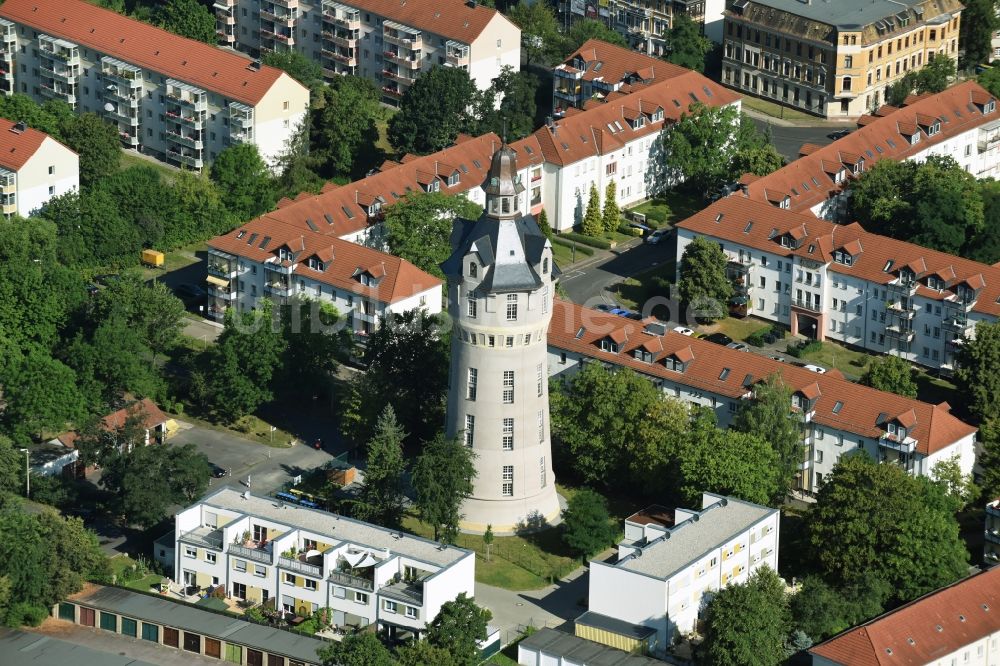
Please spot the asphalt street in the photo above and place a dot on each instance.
(585, 283)
(788, 140)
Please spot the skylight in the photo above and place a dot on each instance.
(837, 407)
(746, 229)
(724, 374)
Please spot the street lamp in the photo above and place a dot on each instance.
(27, 473)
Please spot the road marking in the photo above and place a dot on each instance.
(570, 276)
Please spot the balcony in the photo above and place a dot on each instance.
(277, 36)
(456, 54)
(278, 288)
(126, 115)
(347, 59)
(958, 323)
(350, 580)
(894, 442)
(262, 555)
(187, 158)
(189, 140)
(411, 593)
(286, 20)
(347, 40)
(68, 96)
(811, 306)
(58, 49)
(222, 268)
(399, 77)
(993, 536)
(904, 287)
(403, 60)
(396, 33)
(209, 537)
(902, 310)
(185, 95)
(62, 74)
(193, 119)
(287, 4)
(904, 333)
(304, 568)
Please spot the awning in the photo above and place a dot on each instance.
(217, 281)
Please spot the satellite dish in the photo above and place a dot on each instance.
(109, 107)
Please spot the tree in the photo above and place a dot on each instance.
(958, 488)
(989, 459)
(820, 610)
(97, 142)
(587, 528)
(50, 117)
(488, 540)
(687, 45)
(540, 36)
(892, 374)
(458, 628)
(296, 166)
(730, 462)
(41, 396)
(316, 339)
(933, 77)
(758, 160)
(984, 246)
(11, 469)
(586, 29)
(243, 361)
(543, 225)
(187, 18)
(770, 413)
(434, 110)
(418, 227)
(702, 278)
(593, 225)
(979, 20)
(989, 79)
(442, 479)
(747, 623)
(407, 359)
(381, 499)
(515, 117)
(44, 558)
(877, 518)
(978, 373)
(92, 231)
(148, 481)
(615, 427)
(344, 119)
(361, 649)
(151, 309)
(612, 216)
(305, 70)
(244, 181)
(422, 653)
(699, 149)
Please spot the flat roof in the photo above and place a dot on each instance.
(848, 14)
(19, 648)
(581, 651)
(336, 526)
(695, 537)
(186, 617)
(615, 626)
(654, 514)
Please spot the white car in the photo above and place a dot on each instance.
(655, 237)
(815, 368)
(683, 330)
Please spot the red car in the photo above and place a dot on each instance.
(318, 444)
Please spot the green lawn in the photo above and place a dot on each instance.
(177, 259)
(564, 255)
(669, 209)
(777, 110)
(635, 291)
(851, 363)
(737, 329)
(936, 390)
(251, 428)
(122, 563)
(131, 160)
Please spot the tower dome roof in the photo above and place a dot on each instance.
(501, 180)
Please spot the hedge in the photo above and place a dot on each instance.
(599, 243)
(799, 349)
(582, 249)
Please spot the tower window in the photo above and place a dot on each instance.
(505, 203)
(473, 307)
(541, 379)
(541, 425)
(508, 434)
(508, 386)
(470, 391)
(470, 429)
(511, 307)
(508, 481)
(545, 266)
(473, 269)
(541, 471)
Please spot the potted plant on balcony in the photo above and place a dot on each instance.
(246, 537)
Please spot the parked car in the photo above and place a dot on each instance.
(719, 339)
(628, 314)
(655, 237)
(683, 330)
(815, 368)
(604, 307)
(775, 357)
(189, 291)
(839, 134)
(217, 472)
(738, 346)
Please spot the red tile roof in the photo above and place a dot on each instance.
(807, 179)
(454, 19)
(338, 211)
(152, 417)
(861, 406)
(141, 44)
(730, 220)
(603, 128)
(343, 261)
(16, 148)
(925, 630)
(599, 60)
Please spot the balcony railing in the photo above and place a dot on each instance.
(300, 567)
(256, 554)
(896, 443)
(203, 537)
(185, 140)
(901, 332)
(350, 580)
(412, 593)
(900, 310)
(812, 306)
(193, 119)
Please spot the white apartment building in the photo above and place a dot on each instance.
(354, 211)
(269, 259)
(176, 99)
(954, 625)
(616, 141)
(961, 122)
(34, 167)
(671, 561)
(387, 41)
(840, 416)
(824, 280)
(261, 549)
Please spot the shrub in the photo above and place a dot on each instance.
(255, 614)
(582, 249)
(800, 349)
(22, 613)
(658, 215)
(599, 243)
(756, 338)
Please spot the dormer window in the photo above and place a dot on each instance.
(658, 115)
(473, 269)
(432, 186)
(284, 254)
(915, 138)
(934, 128)
(315, 264)
(787, 241)
(609, 345)
(374, 208)
(643, 355)
(505, 205)
(859, 166)
(839, 176)
(841, 257)
(906, 276)
(935, 283)
(453, 179)
(990, 107)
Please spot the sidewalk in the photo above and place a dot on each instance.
(785, 122)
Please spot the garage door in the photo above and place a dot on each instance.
(213, 648)
(150, 632)
(109, 621)
(130, 627)
(67, 612)
(86, 616)
(171, 637)
(192, 642)
(234, 653)
(255, 657)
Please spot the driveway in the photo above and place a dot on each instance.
(117, 644)
(552, 606)
(586, 282)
